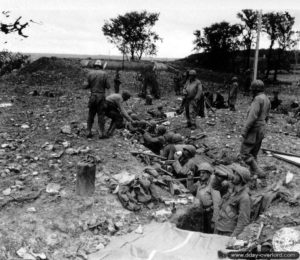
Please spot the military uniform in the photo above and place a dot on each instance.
(155, 144)
(234, 213)
(193, 94)
(97, 81)
(117, 82)
(208, 199)
(255, 126)
(233, 92)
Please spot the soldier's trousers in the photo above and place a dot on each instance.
(191, 111)
(112, 112)
(252, 142)
(96, 106)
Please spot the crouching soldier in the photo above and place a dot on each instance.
(206, 197)
(175, 145)
(184, 164)
(155, 143)
(255, 127)
(235, 205)
(159, 113)
(116, 111)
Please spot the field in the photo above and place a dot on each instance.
(35, 153)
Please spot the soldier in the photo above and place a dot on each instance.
(178, 83)
(155, 143)
(255, 127)
(219, 102)
(174, 145)
(233, 92)
(206, 197)
(276, 102)
(117, 81)
(116, 111)
(97, 81)
(193, 93)
(159, 113)
(235, 206)
(184, 164)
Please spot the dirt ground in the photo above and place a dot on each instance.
(35, 152)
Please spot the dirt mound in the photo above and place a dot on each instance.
(50, 71)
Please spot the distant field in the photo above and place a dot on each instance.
(35, 56)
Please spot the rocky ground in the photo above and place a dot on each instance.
(42, 137)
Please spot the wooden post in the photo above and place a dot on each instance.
(257, 46)
(85, 179)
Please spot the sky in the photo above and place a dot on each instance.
(74, 26)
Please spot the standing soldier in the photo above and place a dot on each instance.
(178, 83)
(255, 127)
(233, 92)
(117, 81)
(207, 197)
(193, 92)
(235, 206)
(97, 81)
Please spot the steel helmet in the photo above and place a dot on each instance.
(134, 116)
(257, 85)
(192, 72)
(161, 130)
(177, 138)
(243, 172)
(191, 149)
(234, 79)
(205, 166)
(169, 137)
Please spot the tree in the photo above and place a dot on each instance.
(270, 27)
(132, 33)
(220, 40)
(249, 18)
(285, 37)
(11, 27)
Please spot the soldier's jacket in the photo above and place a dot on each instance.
(234, 212)
(97, 81)
(153, 143)
(233, 93)
(193, 90)
(258, 113)
(185, 168)
(208, 198)
(169, 150)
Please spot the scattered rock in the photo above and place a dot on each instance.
(53, 188)
(6, 192)
(22, 252)
(66, 129)
(25, 126)
(31, 209)
(139, 230)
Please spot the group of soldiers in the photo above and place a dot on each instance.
(223, 195)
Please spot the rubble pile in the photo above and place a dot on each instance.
(49, 71)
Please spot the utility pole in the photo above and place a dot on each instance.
(257, 46)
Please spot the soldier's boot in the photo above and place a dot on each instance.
(89, 130)
(254, 168)
(101, 130)
(111, 129)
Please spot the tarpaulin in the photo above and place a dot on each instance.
(163, 241)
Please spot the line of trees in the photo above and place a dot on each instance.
(223, 43)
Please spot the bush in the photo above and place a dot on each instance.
(10, 61)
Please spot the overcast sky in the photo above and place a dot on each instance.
(74, 26)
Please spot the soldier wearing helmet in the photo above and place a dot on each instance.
(116, 111)
(235, 206)
(97, 82)
(207, 197)
(233, 92)
(193, 93)
(159, 113)
(174, 144)
(255, 127)
(184, 164)
(156, 141)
